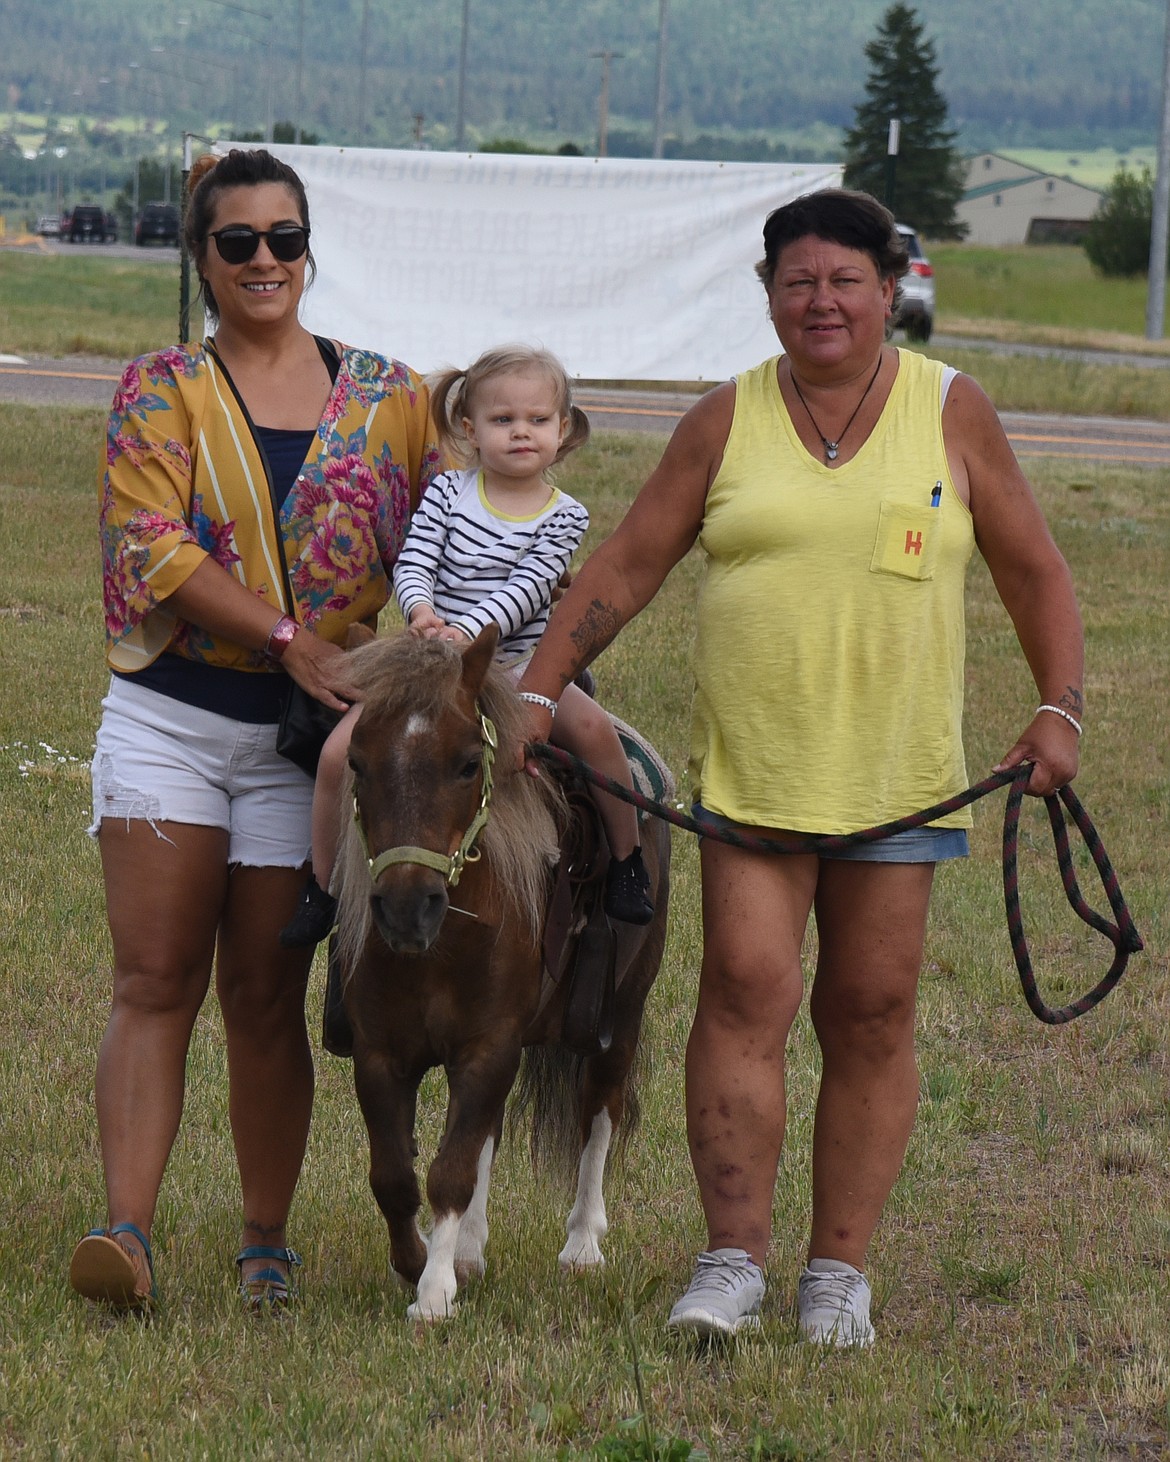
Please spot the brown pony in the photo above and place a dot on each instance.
(441, 946)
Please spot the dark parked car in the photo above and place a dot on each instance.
(87, 225)
(111, 228)
(158, 223)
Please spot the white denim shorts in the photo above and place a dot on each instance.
(160, 760)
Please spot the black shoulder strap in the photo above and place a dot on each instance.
(328, 353)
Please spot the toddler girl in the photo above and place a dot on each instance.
(489, 543)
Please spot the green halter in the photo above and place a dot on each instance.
(451, 866)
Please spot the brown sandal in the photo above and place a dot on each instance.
(107, 1272)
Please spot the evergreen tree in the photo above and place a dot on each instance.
(928, 174)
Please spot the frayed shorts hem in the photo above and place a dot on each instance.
(160, 761)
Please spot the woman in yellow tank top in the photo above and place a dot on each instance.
(837, 491)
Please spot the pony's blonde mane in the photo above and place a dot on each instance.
(405, 674)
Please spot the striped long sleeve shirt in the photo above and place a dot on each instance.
(474, 565)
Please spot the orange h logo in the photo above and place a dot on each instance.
(913, 542)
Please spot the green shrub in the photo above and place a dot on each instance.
(1118, 238)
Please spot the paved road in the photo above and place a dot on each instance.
(1080, 438)
(78, 380)
(1144, 359)
(85, 381)
(29, 244)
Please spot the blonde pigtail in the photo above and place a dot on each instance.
(577, 434)
(448, 408)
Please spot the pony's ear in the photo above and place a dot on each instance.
(358, 634)
(478, 656)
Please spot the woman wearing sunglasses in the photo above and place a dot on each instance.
(255, 493)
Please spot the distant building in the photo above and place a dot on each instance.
(1008, 203)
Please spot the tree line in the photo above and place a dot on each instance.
(901, 147)
(747, 65)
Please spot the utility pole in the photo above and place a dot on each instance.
(266, 16)
(461, 104)
(893, 137)
(605, 57)
(134, 67)
(660, 101)
(362, 72)
(184, 256)
(1160, 231)
(299, 133)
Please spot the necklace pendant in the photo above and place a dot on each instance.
(831, 449)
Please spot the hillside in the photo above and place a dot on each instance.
(1051, 70)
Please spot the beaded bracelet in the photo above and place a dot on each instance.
(539, 700)
(1060, 711)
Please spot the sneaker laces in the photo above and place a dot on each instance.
(714, 1272)
(837, 1287)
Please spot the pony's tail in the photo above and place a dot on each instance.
(548, 1094)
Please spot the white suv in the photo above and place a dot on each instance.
(915, 309)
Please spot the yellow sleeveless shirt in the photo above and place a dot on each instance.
(828, 657)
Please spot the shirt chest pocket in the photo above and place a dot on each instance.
(907, 540)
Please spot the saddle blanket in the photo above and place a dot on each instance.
(650, 774)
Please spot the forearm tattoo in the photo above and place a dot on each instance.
(597, 627)
(1072, 700)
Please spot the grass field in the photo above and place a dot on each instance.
(1022, 1271)
(87, 304)
(1049, 288)
(1095, 167)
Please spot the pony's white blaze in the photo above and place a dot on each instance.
(587, 1222)
(436, 1284)
(473, 1226)
(417, 725)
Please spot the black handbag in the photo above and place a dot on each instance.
(305, 723)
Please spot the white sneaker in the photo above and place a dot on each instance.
(723, 1296)
(833, 1298)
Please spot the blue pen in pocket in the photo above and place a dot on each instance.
(936, 495)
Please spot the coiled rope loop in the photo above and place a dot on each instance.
(1123, 934)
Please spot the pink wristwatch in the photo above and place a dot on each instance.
(283, 633)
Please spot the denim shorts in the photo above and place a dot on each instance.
(919, 845)
(160, 760)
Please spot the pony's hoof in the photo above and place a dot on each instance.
(580, 1259)
(424, 1315)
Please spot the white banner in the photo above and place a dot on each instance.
(627, 269)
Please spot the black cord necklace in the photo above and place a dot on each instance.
(832, 448)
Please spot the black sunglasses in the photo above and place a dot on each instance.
(237, 244)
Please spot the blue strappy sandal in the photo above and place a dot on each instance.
(267, 1289)
(103, 1271)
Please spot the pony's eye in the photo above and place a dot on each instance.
(470, 769)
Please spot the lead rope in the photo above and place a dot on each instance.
(1123, 934)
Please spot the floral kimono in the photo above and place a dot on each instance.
(185, 480)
